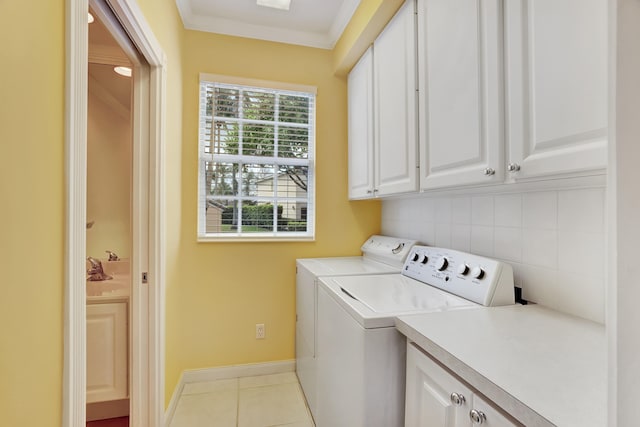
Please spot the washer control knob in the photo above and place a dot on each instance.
(442, 264)
(415, 257)
(477, 272)
(463, 269)
(398, 248)
(425, 259)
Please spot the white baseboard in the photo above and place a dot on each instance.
(224, 372)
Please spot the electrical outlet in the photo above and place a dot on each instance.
(259, 331)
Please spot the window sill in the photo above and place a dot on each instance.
(254, 239)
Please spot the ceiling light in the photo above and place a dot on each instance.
(123, 71)
(276, 4)
(90, 18)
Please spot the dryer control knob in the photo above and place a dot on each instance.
(477, 272)
(442, 264)
(415, 257)
(463, 269)
(425, 259)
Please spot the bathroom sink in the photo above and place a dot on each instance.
(119, 285)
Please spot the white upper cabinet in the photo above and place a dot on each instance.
(556, 85)
(382, 94)
(461, 99)
(360, 94)
(394, 83)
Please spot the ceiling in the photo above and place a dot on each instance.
(314, 23)
(104, 54)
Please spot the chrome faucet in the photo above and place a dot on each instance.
(112, 256)
(96, 273)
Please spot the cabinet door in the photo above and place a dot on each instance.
(360, 98)
(492, 416)
(556, 85)
(429, 400)
(460, 81)
(107, 376)
(394, 74)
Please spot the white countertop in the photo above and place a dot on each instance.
(541, 366)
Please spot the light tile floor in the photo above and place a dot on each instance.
(261, 401)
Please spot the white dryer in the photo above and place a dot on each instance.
(361, 356)
(380, 255)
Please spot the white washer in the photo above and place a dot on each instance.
(380, 255)
(361, 356)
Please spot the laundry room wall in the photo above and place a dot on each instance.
(554, 239)
(223, 289)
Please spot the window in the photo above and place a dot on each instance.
(256, 161)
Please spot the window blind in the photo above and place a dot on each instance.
(256, 162)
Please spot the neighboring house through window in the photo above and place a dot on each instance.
(256, 160)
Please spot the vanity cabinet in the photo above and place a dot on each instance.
(382, 100)
(511, 90)
(434, 397)
(107, 357)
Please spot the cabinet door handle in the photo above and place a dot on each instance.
(477, 417)
(457, 399)
(513, 167)
(489, 171)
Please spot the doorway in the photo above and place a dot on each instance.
(109, 247)
(145, 371)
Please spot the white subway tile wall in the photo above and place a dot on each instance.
(554, 240)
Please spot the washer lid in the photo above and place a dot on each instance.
(397, 296)
(375, 301)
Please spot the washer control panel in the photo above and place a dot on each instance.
(482, 280)
(387, 249)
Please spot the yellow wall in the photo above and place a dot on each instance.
(31, 212)
(221, 290)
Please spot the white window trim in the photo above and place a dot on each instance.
(287, 236)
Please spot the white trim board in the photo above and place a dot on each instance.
(147, 383)
(221, 373)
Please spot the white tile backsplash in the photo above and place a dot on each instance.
(540, 247)
(461, 237)
(482, 211)
(508, 243)
(581, 253)
(540, 210)
(482, 240)
(508, 210)
(461, 210)
(581, 210)
(443, 235)
(443, 211)
(554, 240)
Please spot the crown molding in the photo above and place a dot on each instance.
(236, 28)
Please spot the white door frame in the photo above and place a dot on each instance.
(147, 379)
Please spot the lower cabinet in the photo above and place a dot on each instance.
(436, 398)
(107, 356)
